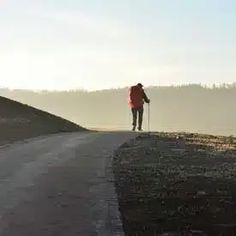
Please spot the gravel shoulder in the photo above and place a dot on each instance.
(177, 184)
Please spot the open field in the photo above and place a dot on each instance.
(177, 184)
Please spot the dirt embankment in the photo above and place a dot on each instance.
(177, 184)
(19, 121)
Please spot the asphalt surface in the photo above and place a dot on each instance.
(60, 185)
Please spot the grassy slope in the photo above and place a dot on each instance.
(19, 121)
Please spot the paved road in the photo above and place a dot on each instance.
(60, 185)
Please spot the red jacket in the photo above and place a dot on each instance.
(137, 97)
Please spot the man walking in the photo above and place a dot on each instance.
(137, 97)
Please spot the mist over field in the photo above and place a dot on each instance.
(191, 108)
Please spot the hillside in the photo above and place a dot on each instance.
(19, 121)
(190, 108)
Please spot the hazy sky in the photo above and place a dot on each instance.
(95, 44)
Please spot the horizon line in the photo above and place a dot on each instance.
(209, 86)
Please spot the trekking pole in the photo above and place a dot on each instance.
(149, 118)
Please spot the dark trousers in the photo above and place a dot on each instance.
(137, 112)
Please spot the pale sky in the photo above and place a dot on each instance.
(100, 44)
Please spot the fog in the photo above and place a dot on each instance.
(191, 108)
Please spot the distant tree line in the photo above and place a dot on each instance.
(191, 108)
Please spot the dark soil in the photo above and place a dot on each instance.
(177, 184)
